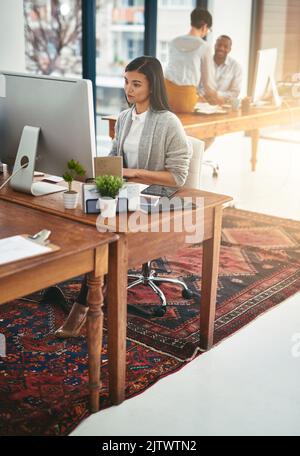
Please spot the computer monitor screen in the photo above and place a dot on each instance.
(61, 108)
(264, 80)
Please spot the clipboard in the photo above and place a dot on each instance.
(22, 247)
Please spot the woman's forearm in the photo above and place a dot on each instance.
(143, 176)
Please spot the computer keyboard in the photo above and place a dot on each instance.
(159, 190)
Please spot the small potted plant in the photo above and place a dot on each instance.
(108, 187)
(71, 196)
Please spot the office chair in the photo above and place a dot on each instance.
(148, 276)
(215, 167)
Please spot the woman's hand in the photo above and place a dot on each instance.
(129, 173)
(144, 176)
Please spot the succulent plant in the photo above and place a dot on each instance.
(109, 186)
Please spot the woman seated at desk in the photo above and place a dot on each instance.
(153, 144)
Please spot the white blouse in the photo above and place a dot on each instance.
(132, 141)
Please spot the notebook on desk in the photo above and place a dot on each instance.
(168, 205)
(112, 166)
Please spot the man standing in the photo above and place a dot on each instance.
(228, 72)
(189, 64)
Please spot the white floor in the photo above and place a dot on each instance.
(249, 384)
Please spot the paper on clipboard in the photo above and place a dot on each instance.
(20, 247)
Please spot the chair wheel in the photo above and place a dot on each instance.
(215, 174)
(160, 311)
(187, 294)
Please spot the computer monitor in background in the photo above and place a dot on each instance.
(47, 121)
(264, 80)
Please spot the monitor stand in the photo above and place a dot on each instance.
(276, 98)
(22, 181)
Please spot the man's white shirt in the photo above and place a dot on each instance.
(229, 78)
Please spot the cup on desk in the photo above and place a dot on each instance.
(235, 104)
(246, 103)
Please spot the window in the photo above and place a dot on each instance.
(53, 36)
(173, 20)
(177, 4)
(120, 38)
(134, 48)
(162, 51)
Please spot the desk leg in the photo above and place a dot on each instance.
(255, 140)
(112, 128)
(94, 337)
(117, 318)
(210, 268)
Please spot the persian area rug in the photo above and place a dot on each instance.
(43, 380)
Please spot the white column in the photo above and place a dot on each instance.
(233, 18)
(12, 41)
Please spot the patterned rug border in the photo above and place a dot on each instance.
(259, 215)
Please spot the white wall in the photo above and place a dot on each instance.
(12, 42)
(233, 18)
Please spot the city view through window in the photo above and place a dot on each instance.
(120, 38)
(53, 40)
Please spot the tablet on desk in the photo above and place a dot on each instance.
(159, 190)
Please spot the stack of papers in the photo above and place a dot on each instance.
(206, 108)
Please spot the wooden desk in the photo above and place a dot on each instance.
(209, 126)
(132, 249)
(82, 250)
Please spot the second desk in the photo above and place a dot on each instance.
(134, 248)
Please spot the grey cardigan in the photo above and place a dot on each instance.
(163, 145)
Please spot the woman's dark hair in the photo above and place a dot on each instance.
(152, 69)
(201, 17)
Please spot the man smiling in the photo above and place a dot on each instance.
(228, 72)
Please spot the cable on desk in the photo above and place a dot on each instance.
(10, 177)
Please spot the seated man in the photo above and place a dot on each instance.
(189, 64)
(228, 72)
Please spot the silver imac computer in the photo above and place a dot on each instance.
(44, 123)
(264, 80)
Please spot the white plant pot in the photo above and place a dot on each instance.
(108, 206)
(70, 199)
